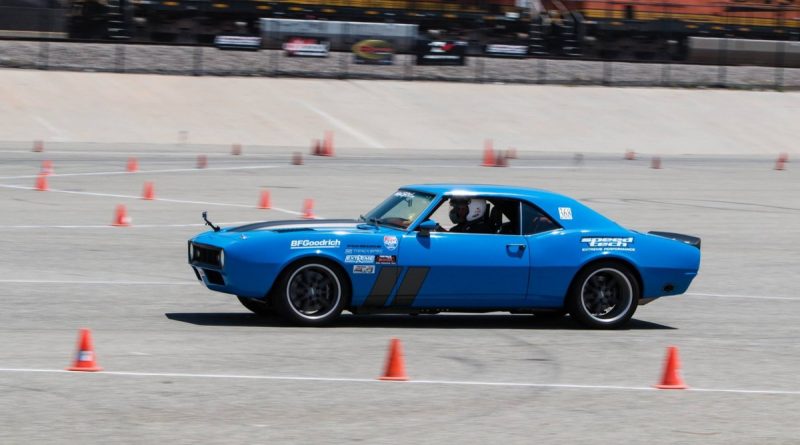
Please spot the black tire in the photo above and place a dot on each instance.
(312, 293)
(604, 295)
(258, 307)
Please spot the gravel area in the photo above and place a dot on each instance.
(162, 59)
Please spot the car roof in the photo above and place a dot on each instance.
(570, 213)
(485, 190)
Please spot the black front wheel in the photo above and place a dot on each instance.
(604, 296)
(312, 293)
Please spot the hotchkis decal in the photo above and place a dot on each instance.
(404, 194)
(386, 259)
(315, 244)
(604, 244)
(363, 268)
(390, 242)
(565, 213)
(360, 259)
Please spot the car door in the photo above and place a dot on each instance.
(467, 270)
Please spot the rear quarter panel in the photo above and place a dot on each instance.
(557, 256)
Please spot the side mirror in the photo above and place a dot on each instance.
(427, 226)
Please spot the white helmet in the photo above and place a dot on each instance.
(477, 208)
(467, 210)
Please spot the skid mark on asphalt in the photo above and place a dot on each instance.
(371, 142)
(410, 382)
(176, 201)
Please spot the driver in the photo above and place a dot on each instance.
(469, 216)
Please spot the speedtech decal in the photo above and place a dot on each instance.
(610, 243)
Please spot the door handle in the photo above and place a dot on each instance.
(519, 247)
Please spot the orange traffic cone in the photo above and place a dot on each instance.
(121, 218)
(41, 182)
(630, 155)
(488, 154)
(264, 203)
(327, 149)
(297, 158)
(780, 163)
(672, 378)
(202, 161)
(85, 359)
(236, 149)
(133, 165)
(47, 167)
(308, 209)
(148, 193)
(656, 163)
(395, 363)
(38, 146)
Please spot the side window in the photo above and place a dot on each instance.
(536, 221)
(505, 216)
(471, 214)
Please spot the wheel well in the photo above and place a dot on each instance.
(619, 261)
(316, 259)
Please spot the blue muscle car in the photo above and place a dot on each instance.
(523, 251)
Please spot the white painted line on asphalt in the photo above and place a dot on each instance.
(374, 143)
(109, 226)
(177, 201)
(103, 282)
(754, 297)
(410, 382)
(140, 172)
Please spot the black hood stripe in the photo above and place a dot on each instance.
(296, 223)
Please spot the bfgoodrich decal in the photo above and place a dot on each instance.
(315, 244)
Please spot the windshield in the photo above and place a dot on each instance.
(400, 209)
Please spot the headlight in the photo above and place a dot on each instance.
(221, 258)
(191, 251)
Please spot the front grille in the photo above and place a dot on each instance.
(200, 253)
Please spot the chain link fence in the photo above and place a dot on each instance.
(204, 60)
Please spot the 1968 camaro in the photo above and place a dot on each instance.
(449, 247)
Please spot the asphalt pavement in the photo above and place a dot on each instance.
(187, 365)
